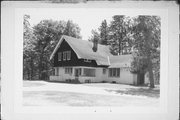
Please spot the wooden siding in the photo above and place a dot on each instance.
(74, 61)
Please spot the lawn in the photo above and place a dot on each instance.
(40, 93)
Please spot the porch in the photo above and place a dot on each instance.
(79, 74)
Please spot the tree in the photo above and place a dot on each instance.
(95, 36)
(118, 39)
(104, 33)
(147, 42)
(72, 29)
(47, 34)
(28, 49)
(39, 43)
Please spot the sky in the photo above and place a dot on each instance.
(86, 18)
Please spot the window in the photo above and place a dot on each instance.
(104, 71)
(53, 72)
(56, 71)
(89, 72)
(114, 72)
(68, 70)
(59, 56)
(87, 60)
(110, 72)
(77, 72)
(66, 55)
(118, 72)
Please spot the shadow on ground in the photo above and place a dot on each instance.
(148, 92)
(64, 82)
(31, 84)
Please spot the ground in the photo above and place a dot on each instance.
(39, 93)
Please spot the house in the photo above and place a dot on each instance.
(77, 60)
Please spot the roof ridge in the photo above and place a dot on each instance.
(83, 40)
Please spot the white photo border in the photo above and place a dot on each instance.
(13, 83)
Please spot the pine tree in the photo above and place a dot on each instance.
(72, 29)
(104, 33)
(147, 42)
(28, 49)
(118, 34)
(95, 37)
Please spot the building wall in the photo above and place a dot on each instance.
(126, 77)
(61, 76)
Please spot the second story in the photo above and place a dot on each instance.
(75, 52)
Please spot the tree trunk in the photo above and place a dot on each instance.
(32, 69)
(151, 78)
(28, 74)
(41, 66)
(40, 69)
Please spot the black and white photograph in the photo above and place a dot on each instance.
(91, 58)
(109, 59)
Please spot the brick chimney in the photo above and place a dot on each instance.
(95, 45)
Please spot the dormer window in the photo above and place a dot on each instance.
(59, 56)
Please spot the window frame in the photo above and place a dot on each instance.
(59, 56)
(64, 56)
(104, 70)
(114, 72)
(56, 71)
(86, 72)
(68, 70)
(68, 55)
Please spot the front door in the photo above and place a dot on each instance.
(77, 73)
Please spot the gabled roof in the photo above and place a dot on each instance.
(120, 61)
(102, 56)
(83, 49)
